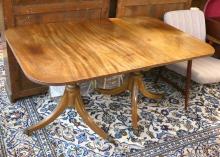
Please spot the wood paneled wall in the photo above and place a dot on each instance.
(153, 8)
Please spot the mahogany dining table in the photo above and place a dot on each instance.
(68, 53)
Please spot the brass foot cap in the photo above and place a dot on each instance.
(136, 132)
(27, 132)
(111, 140)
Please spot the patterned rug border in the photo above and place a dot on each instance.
(2, 145)
(177, 143)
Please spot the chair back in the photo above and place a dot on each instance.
(27, 12)
(212, 8)
(189, 21)
(152, 8)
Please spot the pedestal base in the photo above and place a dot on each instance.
(71, 98)
(134, 84)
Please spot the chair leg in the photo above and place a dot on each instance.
(188, 83)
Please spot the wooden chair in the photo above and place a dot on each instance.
(204, 70)
(29, 12)
(151, 8)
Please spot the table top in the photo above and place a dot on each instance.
(64, 53)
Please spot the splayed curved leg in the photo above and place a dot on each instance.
(134, 84)
(147, 93)
(88, 120)
(114, 91)
(58, 111)
(71, 98)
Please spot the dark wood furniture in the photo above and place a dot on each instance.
(28, 12)
(217, 50)
(120, 45)
(152, 8)
(213, 33)
(213, 27)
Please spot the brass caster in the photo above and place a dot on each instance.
(27, 132)
(136, 132)
(111, 140)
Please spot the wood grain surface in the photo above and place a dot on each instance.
(28, 12)
(65, 53)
